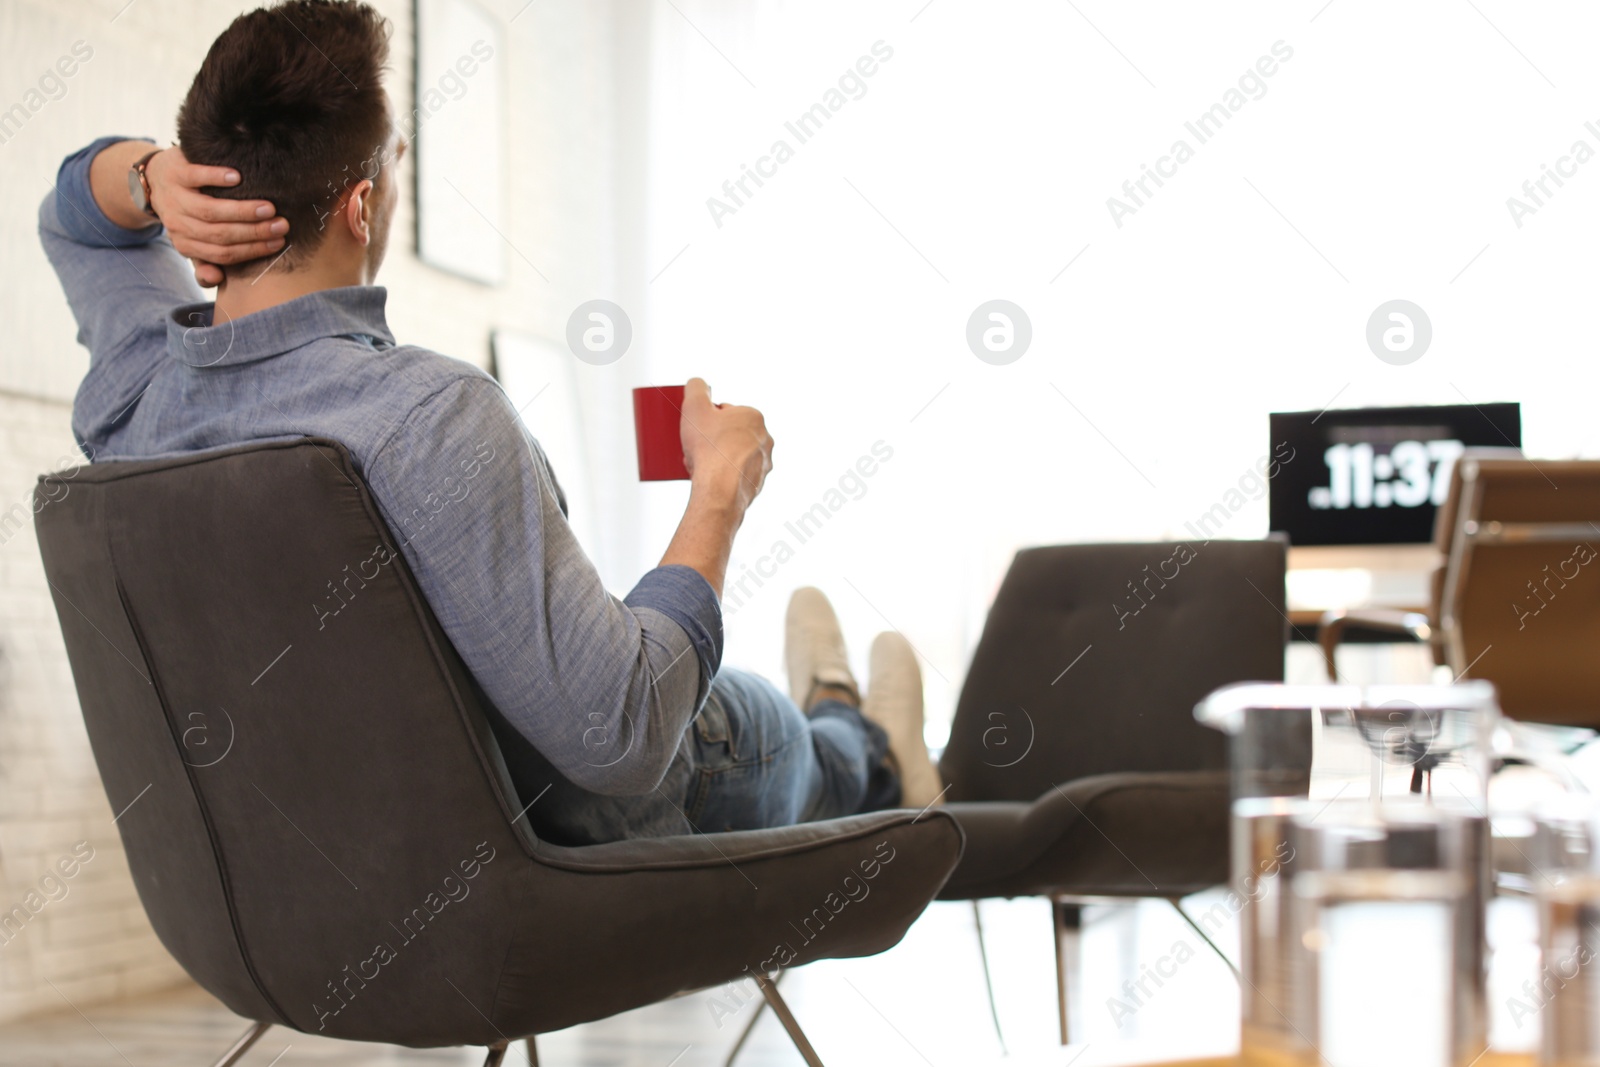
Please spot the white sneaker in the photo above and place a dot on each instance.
(894, 702)
(813, 646)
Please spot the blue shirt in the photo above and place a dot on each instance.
(464, 487)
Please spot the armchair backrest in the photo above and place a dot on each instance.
(1093, 658)
(1519, 597)
(299, 764)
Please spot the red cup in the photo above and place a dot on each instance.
(657, 417)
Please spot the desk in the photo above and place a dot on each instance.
(1393, 577)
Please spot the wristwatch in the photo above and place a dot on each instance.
(139, 184)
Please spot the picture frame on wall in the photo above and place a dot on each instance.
(457, 129)
(539, 379)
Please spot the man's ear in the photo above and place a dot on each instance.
(357, 213)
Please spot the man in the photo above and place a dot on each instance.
(282, 194)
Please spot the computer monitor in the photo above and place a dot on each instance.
(1375, 476)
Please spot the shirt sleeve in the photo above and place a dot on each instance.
(602, 687)
(120, 285)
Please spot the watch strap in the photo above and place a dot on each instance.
(140, 169)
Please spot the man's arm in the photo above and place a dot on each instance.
(729, 454)
(111, 256)
(121, 273)
(208, 229)
(602, 687)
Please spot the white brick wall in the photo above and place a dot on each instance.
(91, 941)
(569, 75)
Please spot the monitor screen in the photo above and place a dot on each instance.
(1375, 476)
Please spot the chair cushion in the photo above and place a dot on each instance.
(1146, 835)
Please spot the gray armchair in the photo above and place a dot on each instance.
(314, 808)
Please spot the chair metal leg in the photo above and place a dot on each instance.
(744, 1035)
(1068, 920)
(786, 1017)
(241, 1046)
(497, 1053)
(1223, 956)
(988, 980)
(533, 1051)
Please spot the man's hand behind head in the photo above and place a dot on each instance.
(726, 447)
(210, 231)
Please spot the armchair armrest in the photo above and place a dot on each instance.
(708, 908)
(1330, 631)
(932, 829)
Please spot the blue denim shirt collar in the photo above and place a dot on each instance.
(353, 311)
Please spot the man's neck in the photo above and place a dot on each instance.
(263, 288)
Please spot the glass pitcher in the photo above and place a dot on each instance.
(1295, 750)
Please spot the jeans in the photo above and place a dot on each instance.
(759, 761)
(749, 760)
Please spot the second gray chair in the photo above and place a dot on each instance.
(1074, 764)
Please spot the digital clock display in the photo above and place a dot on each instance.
(1412, 472)
(1376, 475)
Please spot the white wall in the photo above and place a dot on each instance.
(567, 190)
(978, 165)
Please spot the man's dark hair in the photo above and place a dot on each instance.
(291, 96)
